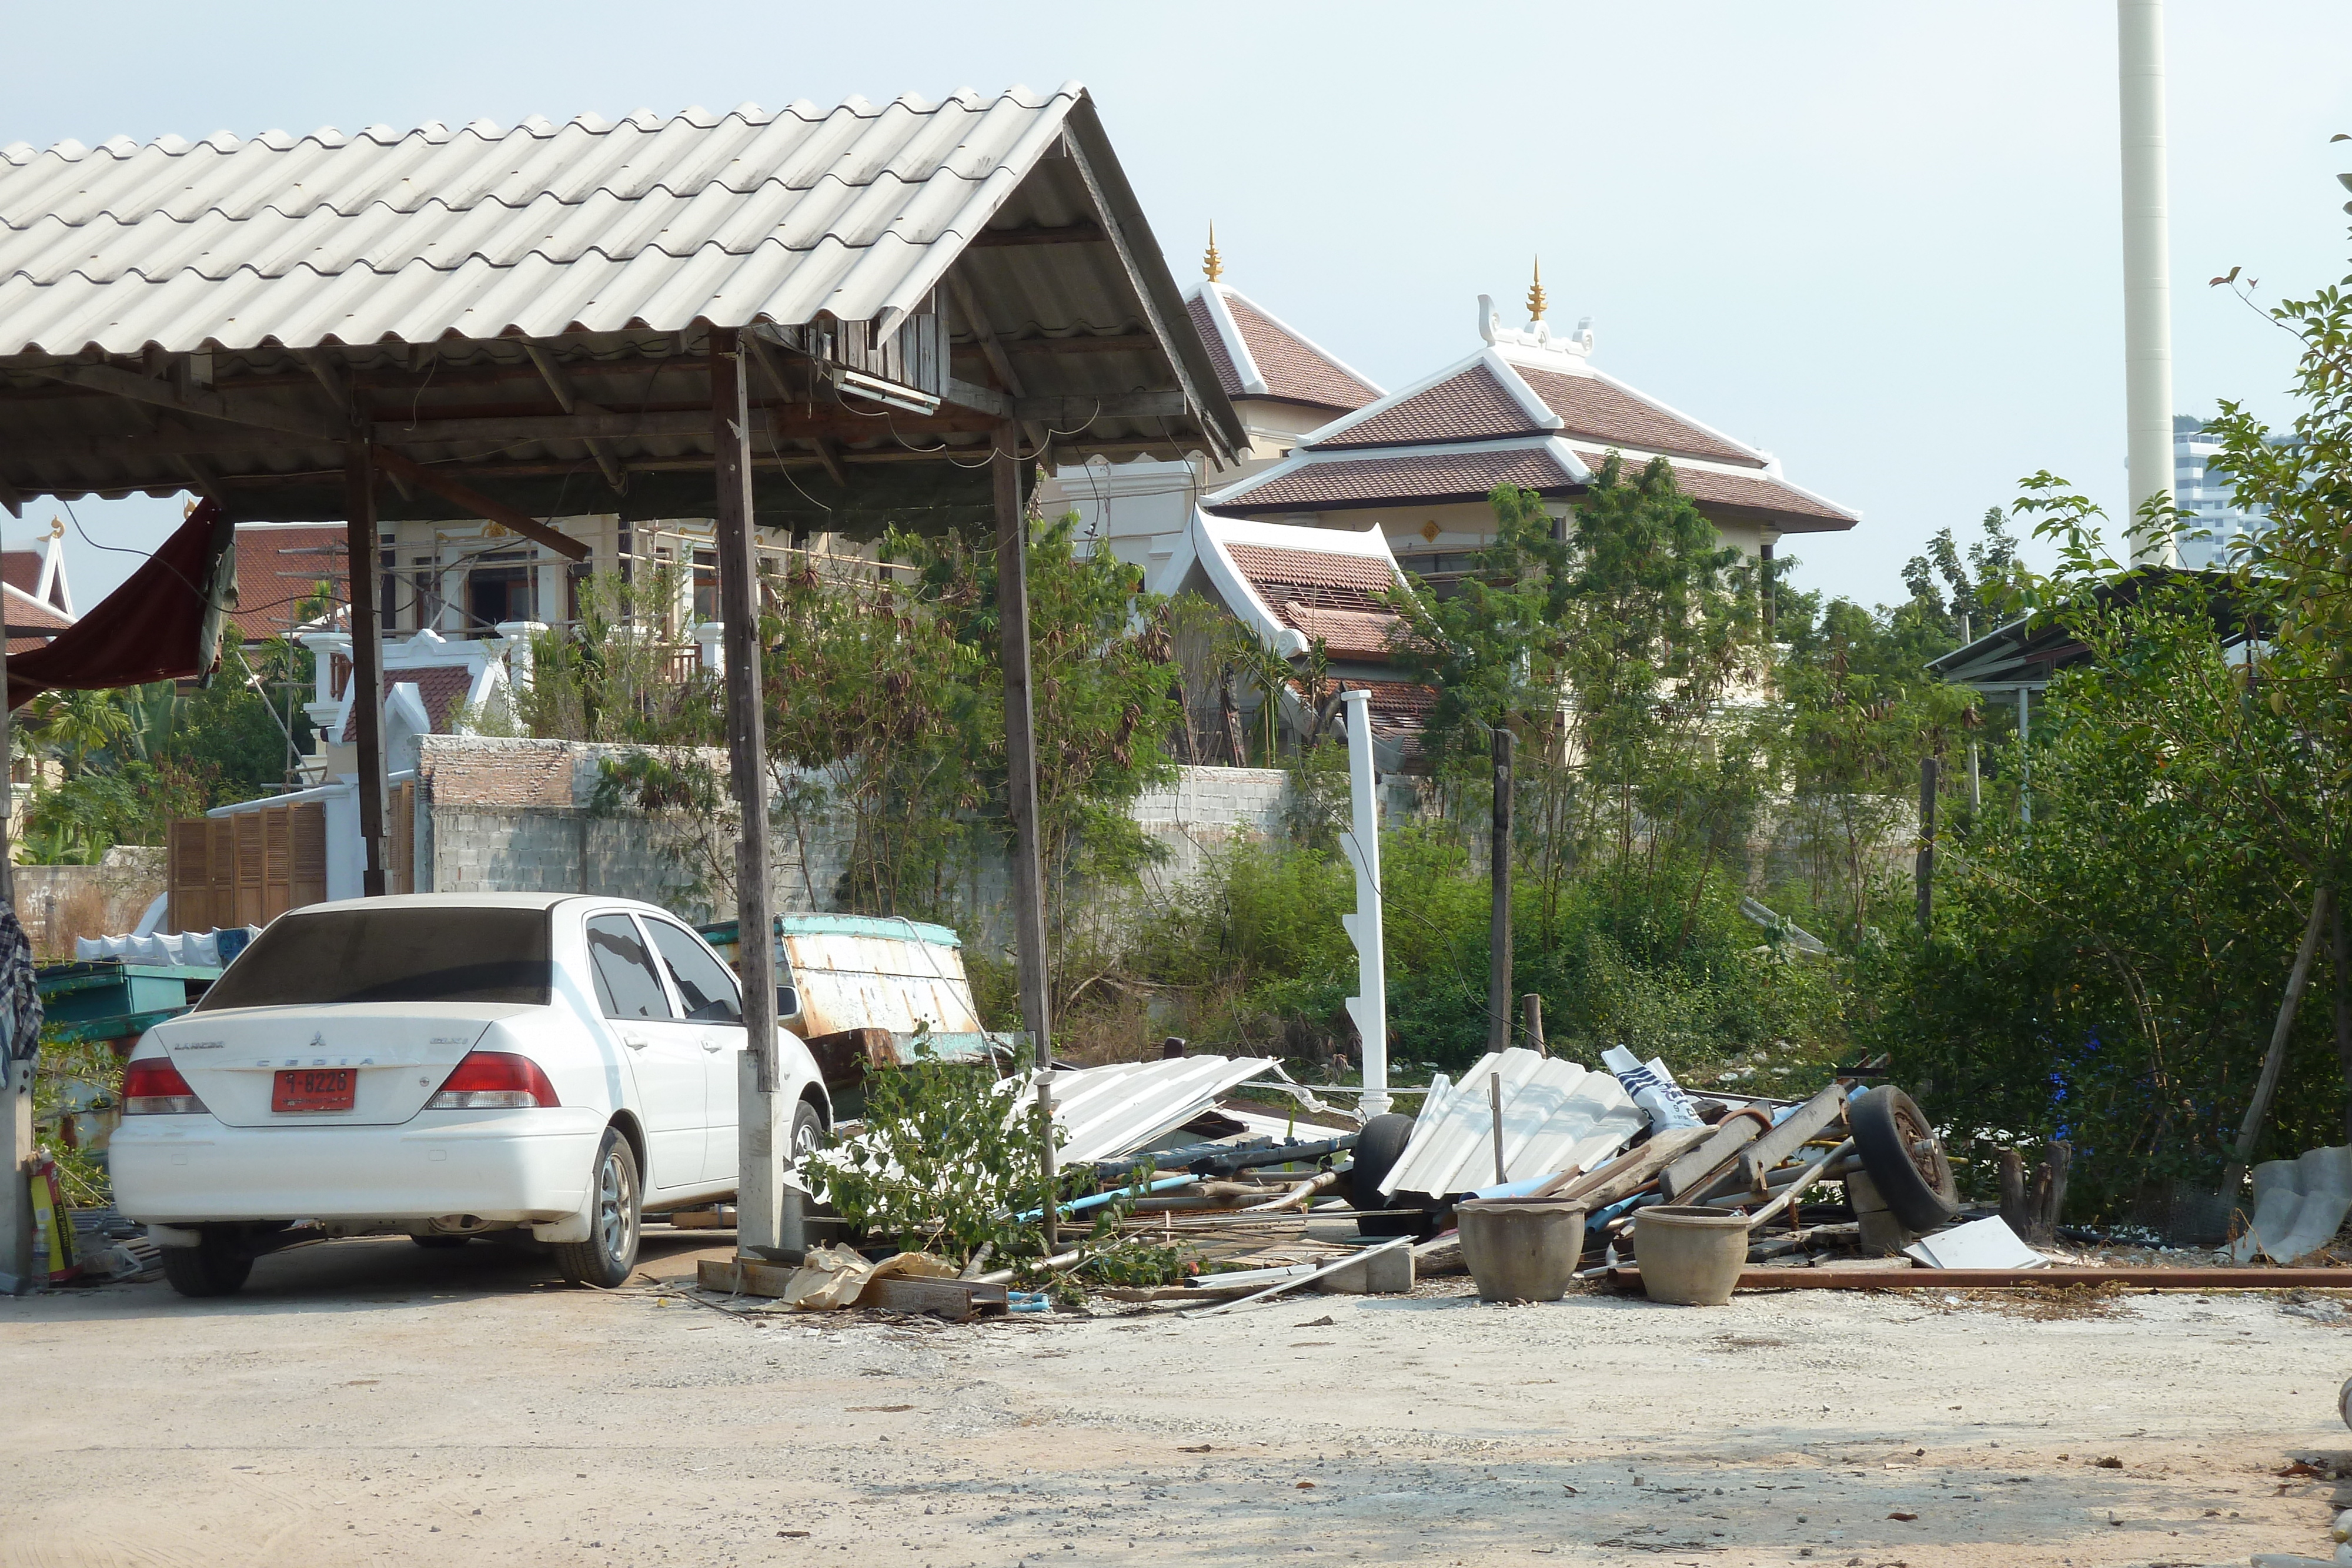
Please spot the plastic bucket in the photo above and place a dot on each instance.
(1690, 1255)
(1521, 1250)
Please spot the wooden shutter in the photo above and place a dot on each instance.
(400, 835)
(307, 856)
(188, 876)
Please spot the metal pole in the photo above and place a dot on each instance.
(2025, 760)
(2147, 286)
(367, 659)
(1925, 873)
(1498, 922)
(763, 1220)
(1362, 844)
(1020, 746)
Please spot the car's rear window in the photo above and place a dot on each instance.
(397, 954)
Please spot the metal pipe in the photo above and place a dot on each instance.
(1789, 1194)
(2148, 263)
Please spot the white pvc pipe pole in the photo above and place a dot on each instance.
(1369, 1006)
(2147, 263)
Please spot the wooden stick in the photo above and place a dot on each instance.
(2297, 980)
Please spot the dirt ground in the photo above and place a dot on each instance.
(371, 1402)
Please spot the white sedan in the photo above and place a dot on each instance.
(447, 1066)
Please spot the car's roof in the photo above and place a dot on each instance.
(473, 900)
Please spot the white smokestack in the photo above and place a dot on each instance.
(2147, 262)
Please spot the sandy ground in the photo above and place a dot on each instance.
(370, 1402)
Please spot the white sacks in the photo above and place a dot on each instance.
(1653, 1089)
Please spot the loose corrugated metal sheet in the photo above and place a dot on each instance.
(480, 233)
(1554, 1114)
(865, 972)
(1112, 1110)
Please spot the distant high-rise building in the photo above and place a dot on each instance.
(2206, 497)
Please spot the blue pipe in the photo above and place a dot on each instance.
(1079, 1205)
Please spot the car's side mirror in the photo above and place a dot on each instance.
(788, 1003)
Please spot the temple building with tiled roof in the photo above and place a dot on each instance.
(1529, 408)
(1282, 384)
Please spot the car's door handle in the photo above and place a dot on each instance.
(714, 1042)
(637, 1042)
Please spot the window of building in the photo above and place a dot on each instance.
(497, 594)
(706, 585)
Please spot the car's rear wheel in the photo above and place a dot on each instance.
(214, 1267)
(615, 1221)
(807, 1133)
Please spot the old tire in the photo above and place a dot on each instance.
(214, 1267)
(1903, 1158)
(1378, 1148)
(603, 1261)
(806, 1136)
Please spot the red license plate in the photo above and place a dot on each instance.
(315, 1089)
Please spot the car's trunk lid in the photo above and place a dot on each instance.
(398, 1053)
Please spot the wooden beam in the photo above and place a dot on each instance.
(829, 455)
(199, 401)
(561, 386)
(1080, 233)
(1021, 745)
(333, 375)
(984, 333)
(481, 506)
(986, 399)
(1074, 407)
(367, 659)
(1084, 343)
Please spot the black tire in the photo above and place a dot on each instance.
(441, 1243)
(1378, 1148)
(1903, 1158)
(214, 1267)
(806, 1135)
(616, 1219)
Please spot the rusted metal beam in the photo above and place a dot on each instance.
(481, 506)
(2136, 1278)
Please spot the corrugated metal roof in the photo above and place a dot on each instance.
(1555, 1113)
(1112, 1110)
(476, 232)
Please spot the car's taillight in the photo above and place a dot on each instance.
(152, 1086)
(494, 1081)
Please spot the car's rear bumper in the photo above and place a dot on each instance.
(529, 1165)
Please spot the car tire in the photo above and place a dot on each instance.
(1889, 1132)
(615, 1221)
(441, 1243)
(806, 1135)
(1378, 1148)
(211, 1267)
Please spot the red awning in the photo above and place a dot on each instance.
(163, 624)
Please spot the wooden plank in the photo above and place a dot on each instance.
(423, 477)
(1698, 1168)
(954, 1299)
(1801, 1127)
(1629, 1172)
(307, 829)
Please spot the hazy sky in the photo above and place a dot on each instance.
(1881, 241)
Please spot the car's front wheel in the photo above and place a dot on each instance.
(214, 1267)
(807, 1133)
(604, 1260)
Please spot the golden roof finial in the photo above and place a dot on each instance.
(1212, 264)
(1536, 294)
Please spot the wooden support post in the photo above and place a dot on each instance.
(1495, 1104)
(762, 1222)
(1498, 926)
(15, 1078)
(1020, 746)
(1924, 873)
(1531, 1023)
(367, 659)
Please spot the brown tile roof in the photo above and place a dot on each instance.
(1604, 411)
(277, 568)
(1206, 325)
(443, 688)
(1292, 369)
(39, 612)
(1329, 581)
(1346, 633)
(1424, 479)
(21, 569)
(1799, 512)
(1471, 406)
